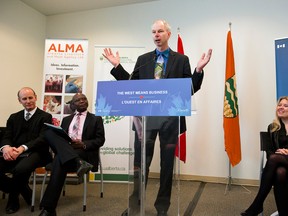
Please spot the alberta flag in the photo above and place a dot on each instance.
(231, 111)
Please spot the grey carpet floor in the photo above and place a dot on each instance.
(195, 198)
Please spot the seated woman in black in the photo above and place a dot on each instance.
(275, 172)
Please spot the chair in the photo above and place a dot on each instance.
(33, 191)
(2, 131)
(33, 177)
(265, 140)
(48, 169)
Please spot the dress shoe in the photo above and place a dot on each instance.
(83, 167)
(162, 213)
(125, 213)
(44, 212)
(27, 194)
(132, 212)
(12, 205)
(250, 212)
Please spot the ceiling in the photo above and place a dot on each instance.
(53, 7)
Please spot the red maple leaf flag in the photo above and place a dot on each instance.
(181, 152)
(180, 48)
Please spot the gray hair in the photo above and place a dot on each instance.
(166, 24)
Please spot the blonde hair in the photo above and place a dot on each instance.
(276, 122)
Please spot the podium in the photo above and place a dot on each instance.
(157, 110)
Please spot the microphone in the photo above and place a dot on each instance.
(137, 68)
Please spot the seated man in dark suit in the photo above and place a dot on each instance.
(23, 149)
(87, 135)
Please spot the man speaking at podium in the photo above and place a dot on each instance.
(161, 63)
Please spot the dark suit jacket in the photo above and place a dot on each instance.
(276, 138)
(30, 133)
(178, 66)
(93, 136)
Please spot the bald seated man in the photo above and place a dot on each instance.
(23, 149)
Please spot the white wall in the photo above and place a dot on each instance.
(22, 37)
(203, 24)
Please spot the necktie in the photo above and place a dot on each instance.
(27, 117)
(76, 125)
(159, 67)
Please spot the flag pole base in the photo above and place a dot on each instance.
(230, 182)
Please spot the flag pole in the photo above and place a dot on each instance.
(229, 182)
(179, 151)
(176, 171)
(230, 175)
(229, 178)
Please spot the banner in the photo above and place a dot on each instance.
(281, 54)
(144, 97)
(117, 143)
(65, 66)
(231, 111)
(64, 74)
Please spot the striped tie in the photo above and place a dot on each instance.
(27, 117)
(76, 126)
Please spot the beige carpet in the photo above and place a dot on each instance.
(196, 198)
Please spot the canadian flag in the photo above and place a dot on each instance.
(180, 150)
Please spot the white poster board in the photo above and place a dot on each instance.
(64, 74)
(114, 153)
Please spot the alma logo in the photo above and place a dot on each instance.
(66, 48)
